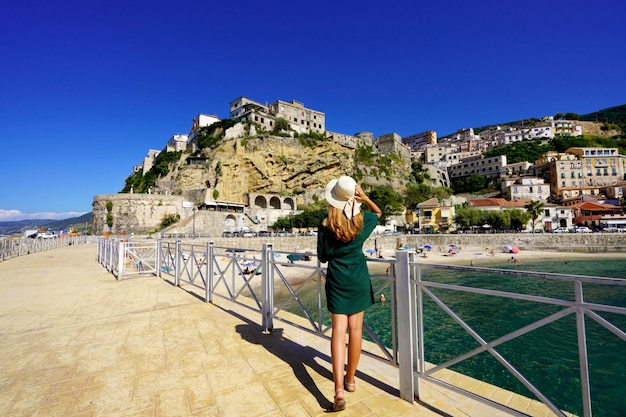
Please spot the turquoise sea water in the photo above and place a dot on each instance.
(548, 356)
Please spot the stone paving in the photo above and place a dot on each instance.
(76, 342)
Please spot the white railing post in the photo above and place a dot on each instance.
(120, 257)
(211, 270)
(267, 290)
(583, 359)
(159, 257)
(177, 263)
(208, 272)
(406, 326)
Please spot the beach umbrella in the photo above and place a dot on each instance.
(293, 257)
(508, 248)
(370, 251)
(427, 247)
(251, 264)
(514, 249)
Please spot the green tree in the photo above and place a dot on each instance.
(418, 173)
(535, 209)
(499, 219)
(417, 193)
(468, 218)
(388, 200)
(469, 184)
(519, 218)
(281, 125)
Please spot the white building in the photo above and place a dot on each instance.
(177, 143)
(300, 119)
(531, 188)
(489, 167)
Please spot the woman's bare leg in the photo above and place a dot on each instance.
(338, 350)
(355, 341)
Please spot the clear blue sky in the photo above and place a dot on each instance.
(87, 87)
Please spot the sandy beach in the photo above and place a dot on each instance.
(483, 256)
(465, 256)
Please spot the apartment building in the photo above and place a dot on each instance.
(433, 216)
(300, 119)
(462, 135)
(519, 169)
(488, 167)
(583, 171)
(417, 141)
(530, 188)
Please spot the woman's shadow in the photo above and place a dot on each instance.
(297, 356)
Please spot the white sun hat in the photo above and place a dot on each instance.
(340, 194)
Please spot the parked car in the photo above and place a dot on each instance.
(46, 235)
(583, 229)
(561, 230)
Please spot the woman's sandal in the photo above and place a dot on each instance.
(350, 387)
(339, 405)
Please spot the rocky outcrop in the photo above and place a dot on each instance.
(263, 164)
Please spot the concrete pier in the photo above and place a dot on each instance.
(76, 342)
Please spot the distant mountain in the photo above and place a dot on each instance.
(19, 226)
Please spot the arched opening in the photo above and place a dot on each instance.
(275, 203)
(288, 204)
(260, 201)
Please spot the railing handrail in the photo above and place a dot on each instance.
(12, 247)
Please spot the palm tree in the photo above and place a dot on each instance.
(535, 208)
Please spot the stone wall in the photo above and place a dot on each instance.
(135, 213)
(581, 243)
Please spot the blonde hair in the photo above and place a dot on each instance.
(338, 223)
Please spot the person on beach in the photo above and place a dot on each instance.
(348, 287)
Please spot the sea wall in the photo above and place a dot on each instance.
(588, 243)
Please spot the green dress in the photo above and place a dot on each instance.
(348, 285)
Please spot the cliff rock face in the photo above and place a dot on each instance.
(261, 164)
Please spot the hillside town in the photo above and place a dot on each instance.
(581, 187)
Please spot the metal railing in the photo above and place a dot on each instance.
(580, 301)
(12, 247)
(252, 278)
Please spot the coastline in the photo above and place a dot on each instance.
(483, 257)
(470, 256)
